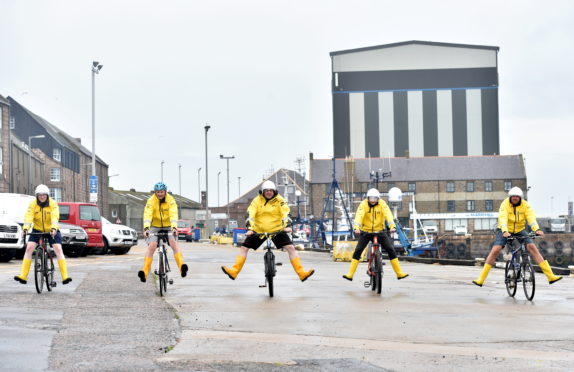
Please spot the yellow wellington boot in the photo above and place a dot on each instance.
(23, 277)
(182, 266)
(349, 275)
(397, 267)
(235, 269)
(545, 266)
(64, 271)
(303, 275)
(480, 280)
(143, 273)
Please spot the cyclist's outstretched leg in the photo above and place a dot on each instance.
(361, 244)
(386, 243)
(183, 268)
(26, 262)
(143, 273)
(233, 271)
(544, 265)
(61, 260)
(499, 242)
(282, 240)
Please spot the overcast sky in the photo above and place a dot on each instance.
(259, 73)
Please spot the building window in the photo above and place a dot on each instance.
(56, 194)
(488, 186)
(1, 117)
(450, 206)
(57, 154)
(1, 161)
(507, 185)
(485, 223)
(488, 205)
(470, 205)
(412, 187)
(450, 224)
(450, 187)
(470, 186)
(12, 122)
(55, 174)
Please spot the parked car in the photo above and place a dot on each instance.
(118, 239)
(430, 226)
(185, 231)
(88, 217)
(12, 210)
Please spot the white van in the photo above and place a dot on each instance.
(12, 210)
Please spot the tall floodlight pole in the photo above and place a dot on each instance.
(227, 159)
(96, 67)
(206, 186)
(239, 185)
(199, 185)
(162, 163)
(179, 179)
(218, 174)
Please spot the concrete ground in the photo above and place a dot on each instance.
(433, 320)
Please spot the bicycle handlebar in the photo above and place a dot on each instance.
(531, 235)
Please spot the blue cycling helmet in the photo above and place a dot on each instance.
(159, 186)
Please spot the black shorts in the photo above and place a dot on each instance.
(254, 241)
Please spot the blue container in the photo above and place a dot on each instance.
(197, 234)
(237, 232)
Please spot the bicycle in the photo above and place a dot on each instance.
(269, 262)
(43, 264)
(519, 267)
(375, 264)
(163, 269)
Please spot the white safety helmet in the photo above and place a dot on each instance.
(373, 193)
(268, 185)
(516, 191)
(42, 189)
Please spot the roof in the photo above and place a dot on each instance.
(16, 141)
(143, 196)
(59, 135)
(411, 42)
(292, 177)
(437, 168)
(4, 100)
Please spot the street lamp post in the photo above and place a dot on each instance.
(96, 67)
(30, 161)
(162, 163)
(199, 185)
(239, 185)
(227, 159)
(298, 195)
(218, 174)
(206, 186)
(179, 179)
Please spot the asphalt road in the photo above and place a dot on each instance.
(434, 320)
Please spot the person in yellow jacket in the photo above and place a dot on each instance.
(42, 217)
(370, 220)
(160, 214)
(268, 213)
(513, 215)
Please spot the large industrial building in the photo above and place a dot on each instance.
(424, 98)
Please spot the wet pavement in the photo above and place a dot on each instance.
(434, 320)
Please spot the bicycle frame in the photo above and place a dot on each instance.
(163, 268)
(519, 267)
(43, 263)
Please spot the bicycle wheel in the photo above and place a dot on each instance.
(373, 269)
(378, 271)
(166, 273)
(528, 278)
(161, 274)
(49, 265)
(269, 271)
(39, 270)
(510, 278)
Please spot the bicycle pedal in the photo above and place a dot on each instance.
(279, 264)
(53, 284)
(155, 272)
(263, 286)
(367, 284)
(171, 281)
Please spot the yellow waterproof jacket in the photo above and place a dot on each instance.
(513, 219)
(158, 214)
(266, 216)
(42, 218)
(372, 218)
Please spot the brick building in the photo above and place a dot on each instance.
(66, 162)
(4, 144)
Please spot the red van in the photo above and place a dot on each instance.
(87, 216)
